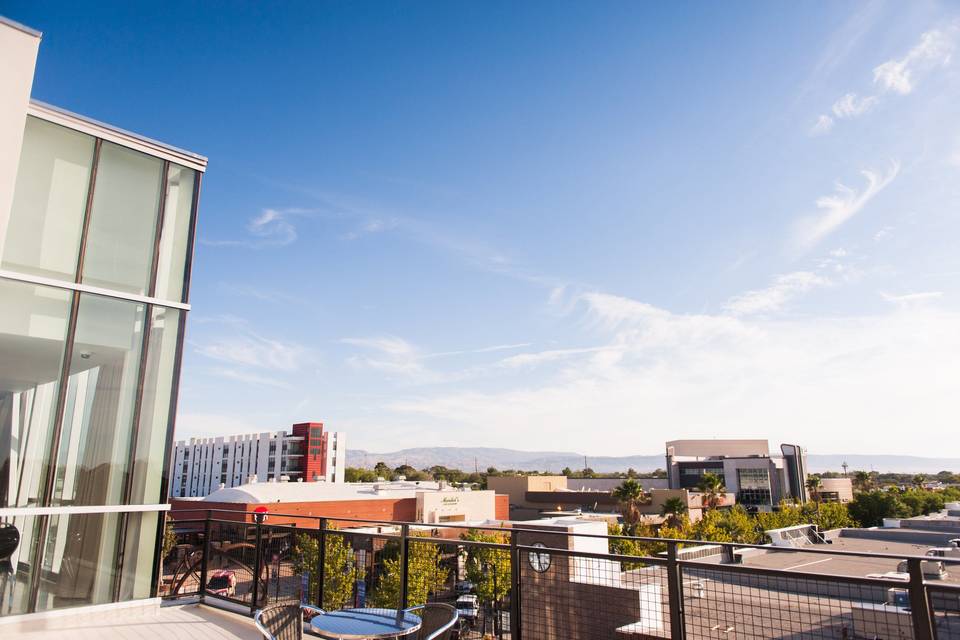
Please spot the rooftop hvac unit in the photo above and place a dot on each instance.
(898, 597)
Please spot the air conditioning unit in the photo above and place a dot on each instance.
(898, 597)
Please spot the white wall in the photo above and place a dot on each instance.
(18, 51)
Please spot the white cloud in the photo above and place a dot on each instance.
(243, 346)
(371, 226)
(899, 75)
(842, 205)
(773, 298)
(541, 357)
(823, 125)
(849, 106)
(270, 228)
(249, 377)
(912, 298)
(666, 375)
(883, 233)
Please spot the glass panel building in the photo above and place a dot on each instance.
(96, 239)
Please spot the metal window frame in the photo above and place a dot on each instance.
(44, 511)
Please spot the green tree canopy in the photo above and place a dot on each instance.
(425, 575)
(488, 568)
(340, 570)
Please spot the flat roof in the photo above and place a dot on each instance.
(794, 559)
(64, 117)
(273, 492)
(20, 27)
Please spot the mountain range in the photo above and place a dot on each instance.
(470, 458)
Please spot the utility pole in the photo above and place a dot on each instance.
(844, 465)
(476, 467)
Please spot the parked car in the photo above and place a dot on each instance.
(222, 583)
(464, 587)
(469, 607)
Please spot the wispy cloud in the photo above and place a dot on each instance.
(850, 106)
(270, 228)
(934, 49)
(911, 298)
(372, 226)
(823, 125)
(839, 207)
(243, 346)
(883, 233)
(399, 357)
(898, 76)
(699, 375)
(784, 288)
(248, 377)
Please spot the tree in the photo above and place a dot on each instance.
(712, 490)
(630, 495)
(382, 470)
(632, 473)
(673, 509)
(814, 485)
(918, 480)
(862, 481)
(488, 568)
(169, 539)
(567, 471)
(340, 570)
(870, 508)
(354, 474)
(425, 575)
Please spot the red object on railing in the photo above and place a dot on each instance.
(260, 514)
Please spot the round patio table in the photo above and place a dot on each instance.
(363, 624)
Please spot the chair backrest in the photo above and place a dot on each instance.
(438, 621)
(280, 621)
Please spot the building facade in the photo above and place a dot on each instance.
(746, 468)
(200, 466)
(299, 503)
(96, 237)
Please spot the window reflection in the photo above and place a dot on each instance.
(123, 220)
(99, 408)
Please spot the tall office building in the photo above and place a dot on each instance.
(96, 236)
(200, 466)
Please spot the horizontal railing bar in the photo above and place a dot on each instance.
(792, 575)
(735, 545)
(596, 556)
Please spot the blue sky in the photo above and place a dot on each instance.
(568, 226)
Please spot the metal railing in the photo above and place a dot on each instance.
(549, 583)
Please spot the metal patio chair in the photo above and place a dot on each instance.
(438, 620)
(283, 620)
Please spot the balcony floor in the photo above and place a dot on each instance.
(179, 622)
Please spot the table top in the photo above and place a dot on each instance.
(355, 624)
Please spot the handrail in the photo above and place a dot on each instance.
(556, 532)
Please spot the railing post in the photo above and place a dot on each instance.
(515, 630)
(404, 541)
(257, 561)
(675, 593)
(321, 561)
(204, 554)
(919, 604)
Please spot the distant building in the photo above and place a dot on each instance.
(747, 469)
(836, 490)
(536, 496)
(307, 453)
(398, 501)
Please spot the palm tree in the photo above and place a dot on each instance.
(673, 509)
(814, 485)
(630, 495)
(918, 480)
(712, 490)
(862, 481)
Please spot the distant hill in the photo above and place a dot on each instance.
(468, 458)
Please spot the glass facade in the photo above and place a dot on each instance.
(94, 264)
(754, 487)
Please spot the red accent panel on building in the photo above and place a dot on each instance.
(314, 448)
(501, 506)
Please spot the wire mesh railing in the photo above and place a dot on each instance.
(521, 581)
